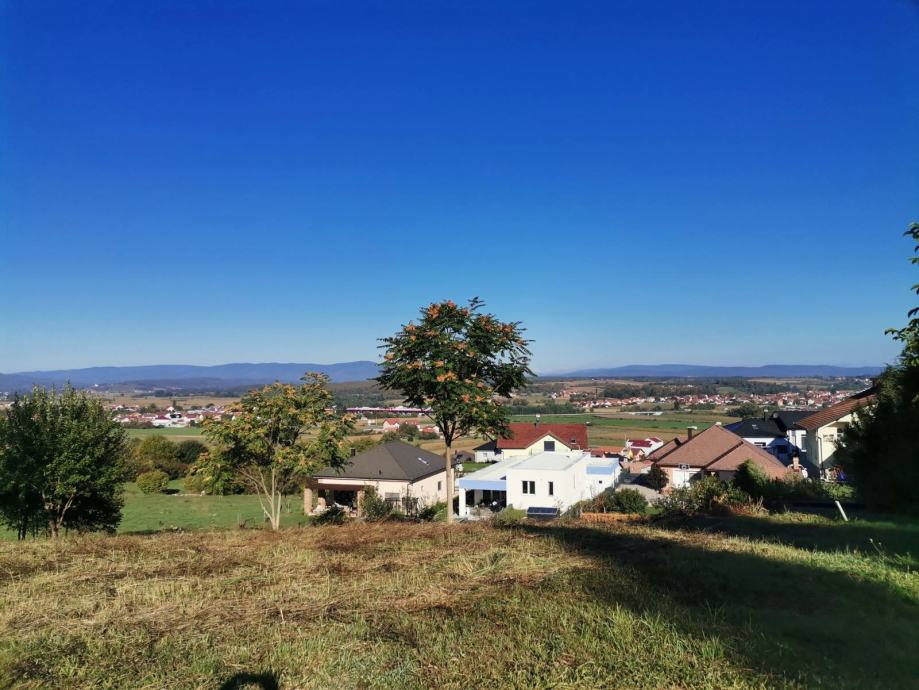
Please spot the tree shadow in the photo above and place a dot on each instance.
(256, 681)
(895, 541)
(790, 621)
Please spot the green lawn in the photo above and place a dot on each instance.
(155, 512)
(782, 602)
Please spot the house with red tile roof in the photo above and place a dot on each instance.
(824, 428)
(714, 451)
(526, 438)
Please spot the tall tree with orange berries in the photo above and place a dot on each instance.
(457, 361)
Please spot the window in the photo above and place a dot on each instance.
(439, 484)
(529, 487)
(548, 446)
(551, 488)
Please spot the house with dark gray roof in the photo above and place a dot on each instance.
(401, 473)
(778, 433)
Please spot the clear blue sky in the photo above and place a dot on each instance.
(638, 182)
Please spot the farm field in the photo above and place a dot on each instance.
(613, 428)
(176, 434)
(786, 602)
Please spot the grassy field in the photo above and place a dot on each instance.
(176, 434)
(158, 512)
(793, 602)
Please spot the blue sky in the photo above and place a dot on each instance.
(701, 182)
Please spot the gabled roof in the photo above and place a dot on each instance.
(395, 460)
(715, 449)
(755, 427)
(838, 411)
(524, 434)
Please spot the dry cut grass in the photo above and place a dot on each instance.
(420, 606)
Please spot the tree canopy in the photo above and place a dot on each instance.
(279, 434)
(457, 361)
(880, 449)
(60, 463)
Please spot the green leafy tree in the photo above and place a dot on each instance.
(189, 451)
(458, 362)
(746, 410)
(880, 449)
(156, 452)
(60, 463)
(407, 431)
(656, 478)
(279, 434)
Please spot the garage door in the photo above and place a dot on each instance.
(681, 478)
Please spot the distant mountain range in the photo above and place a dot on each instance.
(702, 371)
(178, 377)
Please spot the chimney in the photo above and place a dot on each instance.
(536, 423)
(690, 432)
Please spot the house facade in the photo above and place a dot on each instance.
(715, 451)
(548, 479)
(527, 439)
(402, 474)
(823, 428)
(779, 434)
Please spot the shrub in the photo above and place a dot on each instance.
(751, 479)
(436, 512)
(194, 483)
(630, 501)
(508, 517)
(153, 482)
(428, 436)
(706, 495)
(656, 478)
(373, 507)
(334, 515)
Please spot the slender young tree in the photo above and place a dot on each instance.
(60, 463)
(277, 435)
(457, 361)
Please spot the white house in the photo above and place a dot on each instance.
(402, 474)
(824, 428)
(550, 479)
(527, 439)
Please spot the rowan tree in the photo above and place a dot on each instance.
(457, 361)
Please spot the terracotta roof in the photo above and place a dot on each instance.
(838, 411)
(715, 449)
(524, 434)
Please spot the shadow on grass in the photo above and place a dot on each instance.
(791, 621)
(251, 681)
(894, 540)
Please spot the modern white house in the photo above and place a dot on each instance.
(546, 480)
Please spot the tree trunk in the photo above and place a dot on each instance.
(449, 457)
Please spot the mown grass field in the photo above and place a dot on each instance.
(793, 602)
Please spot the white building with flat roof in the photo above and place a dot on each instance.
(542, 480)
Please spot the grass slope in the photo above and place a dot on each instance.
(784, 602)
